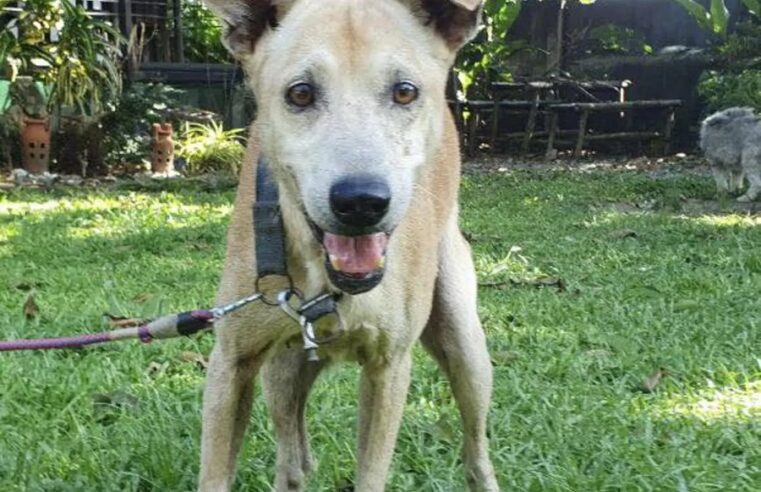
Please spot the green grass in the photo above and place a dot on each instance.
(682, 294)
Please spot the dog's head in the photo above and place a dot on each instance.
(350, 95)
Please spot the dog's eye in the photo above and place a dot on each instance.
(405, 93)
(301, 95)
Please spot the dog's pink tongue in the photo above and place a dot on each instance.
(356, 254)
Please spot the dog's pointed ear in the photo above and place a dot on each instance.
(245, 21)
(457, 21)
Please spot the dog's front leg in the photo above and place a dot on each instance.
(383, 391)
(736, 181)
(226, 410)
(752, 168)
(456, 340)
(287, 379)
(721, 176)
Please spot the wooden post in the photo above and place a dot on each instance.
(553, 127)
(531, 123)
(670, 121)
(494, 126)
(179, 40)
(582, 133)
(556, 62)
(472, 131)
(126, 24)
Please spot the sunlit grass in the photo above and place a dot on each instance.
(729, 220)
(642, 290)
(711, 404)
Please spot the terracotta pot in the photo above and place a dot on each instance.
(162, 158)
(35, 145)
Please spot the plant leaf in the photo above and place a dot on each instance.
(697, 11)
(31, 310)
(719, 16)
(753, 6)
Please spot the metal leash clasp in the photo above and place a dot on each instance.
(221, 311)
(309, 312)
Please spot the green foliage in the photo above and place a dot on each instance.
(86, 71)
(210, 148)
(612, 39)
(722, 90)
(28, 96)
(202, 34)
(82, 68)
(714, 19)
(128, 125)
(736, 79)
(20, 55)
(484, 60)
(753, 6)
(742, 48)
(9, 138)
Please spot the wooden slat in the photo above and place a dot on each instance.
(618, 106)
(623, 136)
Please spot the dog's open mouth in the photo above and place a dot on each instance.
(355, 264)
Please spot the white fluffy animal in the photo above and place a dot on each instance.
(731, 140)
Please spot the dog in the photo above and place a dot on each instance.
(353, 121)
(731, 140)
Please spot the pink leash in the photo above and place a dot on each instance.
(183, 324)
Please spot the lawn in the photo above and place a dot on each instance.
(592, 283)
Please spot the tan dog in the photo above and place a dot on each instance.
(353, 121)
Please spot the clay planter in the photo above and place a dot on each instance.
(35, 145)
(162, 157)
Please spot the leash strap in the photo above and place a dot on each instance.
(268, 225)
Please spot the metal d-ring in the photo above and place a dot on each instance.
(276, 300)
(283, 300)
(333, 336)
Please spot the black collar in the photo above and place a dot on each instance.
(268, 225)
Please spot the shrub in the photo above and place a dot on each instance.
(736, 81)
(128, 126)
(722, 90)
(202, 34)
(210, 148)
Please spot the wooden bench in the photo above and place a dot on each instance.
(585, 109)
(530, 98)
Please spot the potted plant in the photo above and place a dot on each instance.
(21, 50)
(74, 76)
(30, 110)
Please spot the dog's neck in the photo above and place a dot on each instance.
(305, 258)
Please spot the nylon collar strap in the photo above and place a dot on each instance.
(271, 261)
(268, 225)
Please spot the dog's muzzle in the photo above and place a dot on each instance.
(355, 253)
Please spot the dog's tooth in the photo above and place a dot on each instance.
(381, 263)
(335, 263)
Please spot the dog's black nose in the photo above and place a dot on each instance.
(360, 201)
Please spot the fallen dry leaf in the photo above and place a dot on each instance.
(541, 282)
(115, 399)
(155, 368)
(504, 358)
(195, 358)
(142, 297)
(27, 286)
(31, 309)
(558, 283)
(652, 381)
(624, 234)
(107, 407)
(122, 322)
